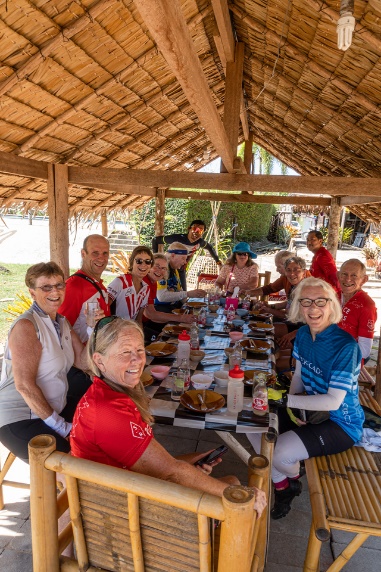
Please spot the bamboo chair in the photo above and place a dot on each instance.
(6, 483)
(264, 278)
(126, 521)
(345, 493)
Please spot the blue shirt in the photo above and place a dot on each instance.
(332, 360)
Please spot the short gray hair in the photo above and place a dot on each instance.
(295, 315)
(283, 255)
(354, 261)
(297, 260)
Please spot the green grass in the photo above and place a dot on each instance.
(10, 285)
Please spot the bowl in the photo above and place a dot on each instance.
(201, 381)
(237, 322)
(197, 355)
(235, 336)
(160, 371)
(242, 312)
(146, 378)
(209, 320)
(160, 349)
(221, 377)
(213, 307)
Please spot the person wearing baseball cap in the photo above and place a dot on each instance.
(170, 293)
(239, 270)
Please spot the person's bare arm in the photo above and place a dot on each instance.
(26, 353)
(80, 359)
(163, 317)
(157, 462)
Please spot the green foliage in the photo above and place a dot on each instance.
(346, 235)
(324, 231)
(253, 219)
(175, 219)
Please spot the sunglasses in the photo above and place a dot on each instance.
(242, 253)
(51, 287)
(319, 302)
(140, 261)
(201, 230)
(99, 325)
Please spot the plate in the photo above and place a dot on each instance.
(160, 349)
(260, 317)
(261, 346)
(175, 329)
(213, 400)
(179, 311)
(146, 378)
(261, 326)
(249, 373)
(196, 304)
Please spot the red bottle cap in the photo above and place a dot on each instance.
(236, 372)
(184, 336)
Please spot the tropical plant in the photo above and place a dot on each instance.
(19, 306)
(370, 253)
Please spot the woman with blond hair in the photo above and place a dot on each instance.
(112, 424)
(327, 368)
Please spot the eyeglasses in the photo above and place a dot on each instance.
(242, 253)
(140, 261)
(319, 302)
(195, 228)
(101, 324)
(51, 287)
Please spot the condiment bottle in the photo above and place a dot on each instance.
(184, 367)
(194, 339)
(235, 390)
(246, 303)
(230, 313)
(260, 397)
(183, 348)
(202, 317)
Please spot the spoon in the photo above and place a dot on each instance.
(203, 405)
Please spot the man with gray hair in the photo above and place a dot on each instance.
(359, 310)
(169, 291)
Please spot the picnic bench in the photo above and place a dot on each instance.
(345, 493)
(121, 520)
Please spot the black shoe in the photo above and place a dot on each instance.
(283, 499)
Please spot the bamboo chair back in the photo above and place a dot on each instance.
(264, 278)
(126, 521)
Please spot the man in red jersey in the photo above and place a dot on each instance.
(86, 285)
(322, 265)
(359, 310)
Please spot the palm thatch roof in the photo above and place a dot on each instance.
(85, 83)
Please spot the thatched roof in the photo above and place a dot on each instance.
(84, 83)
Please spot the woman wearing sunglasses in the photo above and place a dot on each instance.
(129, 293)
(325, 380)
(239, 270)
(112, 424)
(35, 395)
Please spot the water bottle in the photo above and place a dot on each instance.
(202, 317)
(194, 339)
(230, 314)
(246, 303)
(260, 398)
(183, 348)
(235, 390)
(185, 371)
(235, 357)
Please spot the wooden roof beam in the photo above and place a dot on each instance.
(233, 95)
(168, 28)
(349, 201)
(247, 198)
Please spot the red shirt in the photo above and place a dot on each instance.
(108, 428)
(323, 266)
(359, 316)
(78, 292)
(152, 290)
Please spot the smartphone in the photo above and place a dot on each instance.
(208, 459)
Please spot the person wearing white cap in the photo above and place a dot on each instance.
(169, 291)
(239, 270)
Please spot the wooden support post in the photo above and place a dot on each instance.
(334, 226)
(159, 215)
(104, 223)
(377, 389)
(58, 211)
(43, 512)
(248, 157)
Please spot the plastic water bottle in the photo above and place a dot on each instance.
(246, 303)
(235, 390)
(260, 396)
(183, 348)
(202, 317)
(236, 356)
(194, 339)
(185, 371)
(230, 314)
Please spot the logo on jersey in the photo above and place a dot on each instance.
(139, 432)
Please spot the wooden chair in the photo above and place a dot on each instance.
(345, 493)
(264, 278)
(206, 280)
(3, 482)
(122, 520)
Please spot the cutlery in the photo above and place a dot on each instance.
(203, 405)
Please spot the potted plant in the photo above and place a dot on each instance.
(371, 256)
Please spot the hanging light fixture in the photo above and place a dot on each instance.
(345, 25)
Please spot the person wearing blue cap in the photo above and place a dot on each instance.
(239, 270)
(170, 294)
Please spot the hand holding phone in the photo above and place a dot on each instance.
(208, 459)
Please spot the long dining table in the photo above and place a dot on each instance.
(226, 424)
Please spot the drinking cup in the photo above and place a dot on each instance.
(91, 309)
